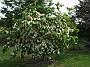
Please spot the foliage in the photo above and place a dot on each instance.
(82, 14)
(41, 31)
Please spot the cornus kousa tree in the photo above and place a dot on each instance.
(41, 31)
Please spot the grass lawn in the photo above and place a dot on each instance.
(73, 59)
(68, 59)
(7, 61)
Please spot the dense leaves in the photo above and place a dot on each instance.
(83, 19)
(41, 31)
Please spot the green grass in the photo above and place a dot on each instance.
(68, 59)
(73, 59)
(7, 61)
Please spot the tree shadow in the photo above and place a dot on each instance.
(12, 62)
(26, 62)
(37, 62)
(7, 61)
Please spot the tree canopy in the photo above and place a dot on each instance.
(83, 16)
(38, 29)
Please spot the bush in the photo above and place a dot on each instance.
(41, 34)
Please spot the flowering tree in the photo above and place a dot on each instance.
(41, 31)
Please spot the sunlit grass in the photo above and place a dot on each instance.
(73, 59)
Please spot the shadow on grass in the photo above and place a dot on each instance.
(12, 62)
(26, 62)
(67, 59)
(37, 62)
(7, 61)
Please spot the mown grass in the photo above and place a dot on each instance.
(73, 59)
(67, 59)
(7, 61)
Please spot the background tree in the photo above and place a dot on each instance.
(83, 18)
